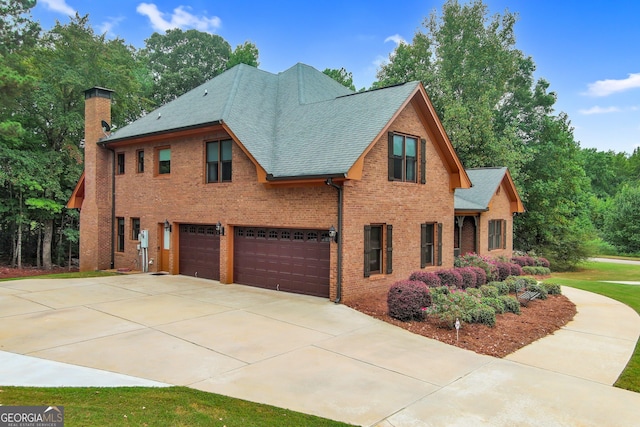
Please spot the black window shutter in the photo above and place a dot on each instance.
(423, 245)
(390, 138)
(423, 161)
(439, 243)
(389, 249)
(367, 250)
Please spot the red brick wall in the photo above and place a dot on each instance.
(405, 205)
(183, 196)
(499, 208)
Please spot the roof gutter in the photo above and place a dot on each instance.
(326, 177)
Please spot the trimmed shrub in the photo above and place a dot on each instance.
(481, 275)
(450, 277)
(489, 291)
(484, 314)
(406, 300)
(519, 283)
(494, 302)
(524, 260)
(440, 290)
(474, 260)
(552, 288)
(511, 304)
(516, 270)
(431, 279)
(503, 270)
(474, 292)
(469, 277)
(542, 262)
(503, 288)
(455, 305)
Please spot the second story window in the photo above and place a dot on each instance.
(403, 157)
(219, 161)
(164, 161)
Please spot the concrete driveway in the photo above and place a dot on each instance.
(310, 355)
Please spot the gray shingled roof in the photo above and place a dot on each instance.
(485, 182)
(296, 123)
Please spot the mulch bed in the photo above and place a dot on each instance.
(510, 333)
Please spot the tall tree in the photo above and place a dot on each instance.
(622, 220)
(70, 59)
(497, 114)
(182, 60)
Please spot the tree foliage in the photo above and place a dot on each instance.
(496, 114)
(622, 220)
(342, 76)
(246, 53)
(182, 60)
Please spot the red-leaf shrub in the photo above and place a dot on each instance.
(407, 298)
(450, 277)
(516, 270)
(469, 277)
(542, 262)
(502, 271)
(431, 279)
(524, 261)
(481, 276)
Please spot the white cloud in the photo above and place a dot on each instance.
(600, 110)
(59, 6)
(607, 87)
(108, 25)
(396, 38)
(180, 18)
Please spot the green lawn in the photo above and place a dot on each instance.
(141, 406)
(590, 277)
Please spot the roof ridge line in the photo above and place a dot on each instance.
(232, 93)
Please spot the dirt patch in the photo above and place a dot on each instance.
(511, 332)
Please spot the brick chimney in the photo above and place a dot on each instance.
(96, 228)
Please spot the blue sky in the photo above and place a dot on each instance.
(588, 50)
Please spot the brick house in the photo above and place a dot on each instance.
(484, 213)
(247, 178)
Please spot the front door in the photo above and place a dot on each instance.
(165, 247)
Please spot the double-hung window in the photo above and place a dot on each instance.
(164, 161)
(403, 158)
(135, 228)
(378, 249)
(497, 234)
(219, 161)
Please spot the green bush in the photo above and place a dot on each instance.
(494, 302)
(484, 314)
(454, 305)
(440, 290)
(474, 292)
(489, 291)
(511, 304)
(519, 283)
(503, 288)
(552, 288)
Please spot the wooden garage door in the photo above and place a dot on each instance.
(200, 251)
(289, 260)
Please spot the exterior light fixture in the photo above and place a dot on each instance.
(220, 229)
(333, 233)
(167, 226)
